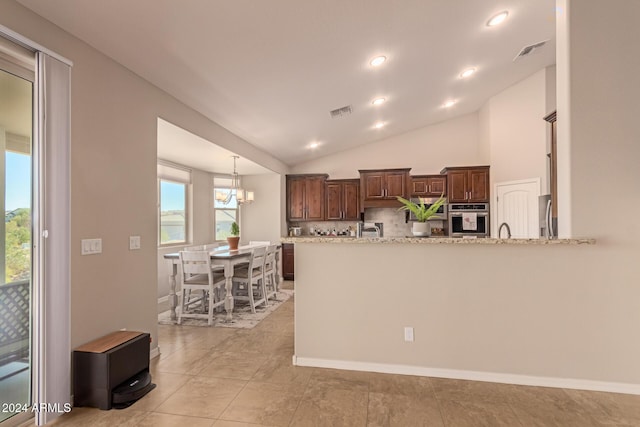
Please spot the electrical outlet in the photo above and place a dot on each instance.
(408, 334)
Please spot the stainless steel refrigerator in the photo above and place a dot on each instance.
(548, 225)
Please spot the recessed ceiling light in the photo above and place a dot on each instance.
(314, 144)
(378, 101)
(379, 125)
(377, 61)
(467, 73)
(497, 19)
(450, 103)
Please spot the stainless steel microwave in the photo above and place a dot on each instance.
(441, 213)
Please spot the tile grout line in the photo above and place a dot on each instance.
(306, 386)
(435, 396)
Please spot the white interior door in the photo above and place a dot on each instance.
(517, 205)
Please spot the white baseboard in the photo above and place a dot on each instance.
(492, 377)
(155, 352)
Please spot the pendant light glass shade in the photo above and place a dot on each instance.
(242, 196)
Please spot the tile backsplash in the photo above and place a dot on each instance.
(393, 221)
(326, 226)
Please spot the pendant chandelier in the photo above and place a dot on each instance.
(242, 195)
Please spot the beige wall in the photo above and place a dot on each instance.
(201, 208)
(563, 312)
(552, 315)
(514, 135)
(517, 131)
(426, 151)
(113, 157)
(260, 220)
(603, 125)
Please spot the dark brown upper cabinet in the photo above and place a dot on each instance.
(467, 184)
(343, 200)
(306, 197)
(379, 188)
(428, 185)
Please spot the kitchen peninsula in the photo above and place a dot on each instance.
(441, 307)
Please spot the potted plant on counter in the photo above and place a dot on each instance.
(422, 213)
(234, 239)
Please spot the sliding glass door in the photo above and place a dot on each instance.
(16, 136)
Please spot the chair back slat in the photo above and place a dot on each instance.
(195, 262)
(259, 256)
(194, 248)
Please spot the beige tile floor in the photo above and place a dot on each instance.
(233, 378)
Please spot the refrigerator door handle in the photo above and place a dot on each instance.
(549, 225)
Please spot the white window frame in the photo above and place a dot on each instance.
(229, 187)
(174, 174)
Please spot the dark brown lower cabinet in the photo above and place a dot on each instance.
(287, 261)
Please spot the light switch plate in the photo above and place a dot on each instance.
(408, 334)
(91, 246)
(134, 243)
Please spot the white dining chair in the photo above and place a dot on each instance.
(270, 272)
(248, 280)
(197, 275)
(259, 243)
(194, 248)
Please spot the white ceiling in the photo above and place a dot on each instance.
(270, 71)
(179, 146)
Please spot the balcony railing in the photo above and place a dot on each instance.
(15, 319)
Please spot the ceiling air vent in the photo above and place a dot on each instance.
(528, 50)
(339, 112)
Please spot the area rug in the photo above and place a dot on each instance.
(243, 318)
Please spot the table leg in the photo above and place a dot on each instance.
(228, 301)
(173, 298)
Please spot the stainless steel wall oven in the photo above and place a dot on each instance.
(469, 219)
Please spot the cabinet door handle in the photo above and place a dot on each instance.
(429, 189)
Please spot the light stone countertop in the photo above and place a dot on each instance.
(436, 240)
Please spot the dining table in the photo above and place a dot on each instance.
(220, 256)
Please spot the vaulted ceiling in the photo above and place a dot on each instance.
(271, 71)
